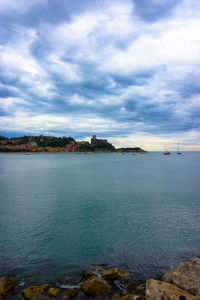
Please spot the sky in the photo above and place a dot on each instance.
(125, 70)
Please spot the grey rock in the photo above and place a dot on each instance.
(158, 290)
(36, 296)
(187, 276)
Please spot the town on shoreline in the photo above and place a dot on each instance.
(43, 143)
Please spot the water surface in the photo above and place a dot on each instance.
(60, 213)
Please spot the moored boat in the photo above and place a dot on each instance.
(178, 152)
(166, 152)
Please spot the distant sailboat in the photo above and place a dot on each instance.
(166, 152)
(178, 150)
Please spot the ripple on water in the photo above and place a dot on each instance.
(62, 213)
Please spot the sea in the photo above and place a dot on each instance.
(64, 212)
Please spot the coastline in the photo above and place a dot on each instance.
(34, 144)
(98, 282)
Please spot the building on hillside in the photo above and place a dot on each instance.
(32, 144)
(97, 142)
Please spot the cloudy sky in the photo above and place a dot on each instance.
(128, 71)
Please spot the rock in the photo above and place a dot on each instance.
(124, 292)
(127, 297)
(37, 289)
(88, 274)
(197, 257)
(140, 289)
(115, 297)
(67, 294)
(167, 277)
(187, 276)
(139, 297)
(97, 267)
(132, 285)
(53, 291)
(36, 296)
(113, 273)
(158, 290)
(69, 280)
(6, 284)
(95, 287)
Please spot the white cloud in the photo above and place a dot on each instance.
(25, 122)
(90, 49)
(79, 100)
(66, 71)
(190, 141)
(19, 61)
(170, 43)
(11, 103)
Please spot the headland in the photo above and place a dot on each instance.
(43, 143)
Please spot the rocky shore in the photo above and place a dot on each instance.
(180, 283)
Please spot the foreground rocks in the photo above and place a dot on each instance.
(34, 290)
(88, 274)
(95, 287)
(69, 293)
(36, 296)
(167, 277)
(113, 273)
(183, 280)
(159, 290)
(6, 284)
(180, 283)
(53, 291)
(187, 276)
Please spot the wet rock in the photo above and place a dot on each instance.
(197, 257)
(115, 297)
(132, 285)
(36, 296)
(167, 277)
(37, 289)
(96, 267)
(70, 280)
(127, 297)
(158, 290)
(187, 276)
(140, 290)
(70, 293)
(99, 267)
(6, 284)
(53, 291)
(88, 274)
(124, 292)
(139, 297)
(95, 287)
(113, 273)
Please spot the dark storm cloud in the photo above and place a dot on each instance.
(33, 13)
(151, 11)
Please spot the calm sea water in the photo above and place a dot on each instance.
(60, 213)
